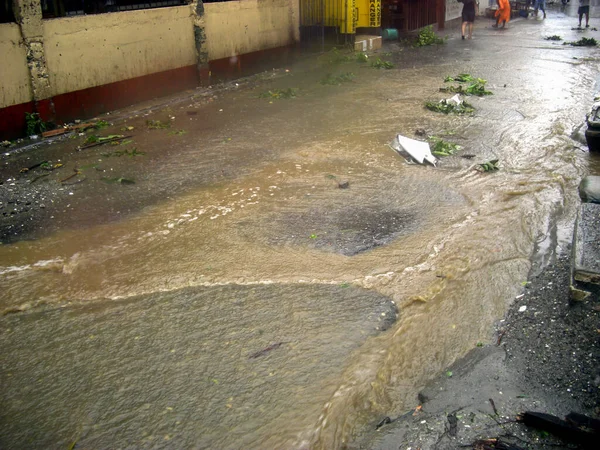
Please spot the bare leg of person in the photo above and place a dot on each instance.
(464, 26)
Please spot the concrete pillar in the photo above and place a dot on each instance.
(28, 14)
(200, 40)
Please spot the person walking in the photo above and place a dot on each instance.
(468, 17)
(584, 8)
(541, 4)
(503, 13)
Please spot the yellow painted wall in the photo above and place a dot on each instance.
(14, 75)
(88, 51)
(235, 28)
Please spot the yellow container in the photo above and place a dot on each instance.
(350, 14)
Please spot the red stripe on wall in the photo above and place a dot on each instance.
(90, 102)
(12, 120)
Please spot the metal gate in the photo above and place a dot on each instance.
(327, 23)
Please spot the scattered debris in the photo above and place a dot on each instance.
(157, 125)
(417, 150)
(27, 169)
(56, 132)
(554, 37)
(362, 57)
(583, 42)
(420, 132)
(490, 166)
(577, 428)
(119, 180)
(383, 422)
(468, 156)
(337, 80)
(380, 64)
(476, 86)
(428, 37)
(77, 172)
(127, 128)
(101, 124)
(280, 93)
(344, 185)
(177, 132)
(494, 444)
(131, 153)
(34, 124)
(461, 78)
(93, 140)
(452, 105)
(440, 147)
(266, 350)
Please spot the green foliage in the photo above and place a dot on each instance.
(337, 80)
(34, 124)
(440, 147)
(476, 85)
(92, 138)
(280, 93)
(450, 108)
(490, 166)
(379, 64)
(177, 132)
(101, 124)
(476, 88)
(554, 37)
(583, 42)
(157, 125)
(362, 57)
(462, 78)
(428, 37)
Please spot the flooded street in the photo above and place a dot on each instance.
(236, 296)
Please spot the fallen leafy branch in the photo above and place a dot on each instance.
(450, 108)
(440, 147)
(490, 166)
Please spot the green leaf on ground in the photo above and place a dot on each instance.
(157, 125)
(440, 147)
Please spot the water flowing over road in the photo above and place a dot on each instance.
(237, 297)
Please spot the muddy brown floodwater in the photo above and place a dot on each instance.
(137, 309)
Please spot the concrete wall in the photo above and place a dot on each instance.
(453, 9)
(81, 66)
(15, 86)
(89, 51)
(234, 28)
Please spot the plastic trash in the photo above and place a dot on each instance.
(417, 150)
(455, 100)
